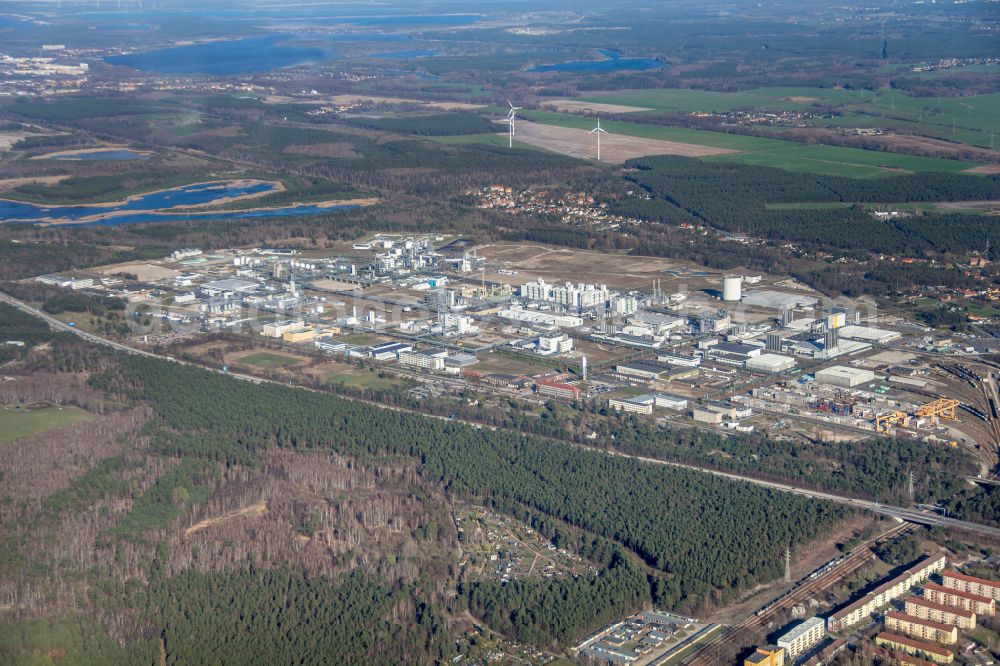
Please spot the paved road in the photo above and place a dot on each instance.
(911, 515)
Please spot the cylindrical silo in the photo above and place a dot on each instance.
(732, 288)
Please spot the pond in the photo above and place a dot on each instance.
(611, 63)
(160, 207)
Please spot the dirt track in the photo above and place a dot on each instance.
(615, 148)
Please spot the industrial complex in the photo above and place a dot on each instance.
(720, 351)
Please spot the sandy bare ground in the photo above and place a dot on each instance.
(988, 169)
(252, 511)
(554, 264)
(11, 183)
(8, 139)
(367, 99)
(579, 106)
(615, 148)
(969, 205)
(146, 272)
(89, 149)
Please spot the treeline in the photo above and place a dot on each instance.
(16, 326)
(282, 617)
(646, 508)
(72, 640)
(874, 468)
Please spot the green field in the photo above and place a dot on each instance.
(780, 153)
(269, 361)
(972, 120)
(687, 101)
(837, 161)
(15, 424)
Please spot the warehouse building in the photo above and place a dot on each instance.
(971, 584)
(770, 363)
(677, 359)
(427, 359)
(938, 655)
(910, 625)
(667, 401)
(389, 351)
(802, 637)
(709, 415)
(641, 370)
(277, 329)
(844, 376)
(929, 610)
(530, 316)
(979, 605)
(868, 334)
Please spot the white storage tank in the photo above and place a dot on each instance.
(732, 288)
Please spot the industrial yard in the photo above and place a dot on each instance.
(648, 337)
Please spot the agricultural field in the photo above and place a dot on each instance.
(849, 162)
(972, 120)
(690, 101)
(615, 148)
(17, 423)
(780, 153)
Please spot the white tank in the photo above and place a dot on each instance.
(732, 288)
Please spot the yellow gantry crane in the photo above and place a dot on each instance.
(942, 408)
(885, 421)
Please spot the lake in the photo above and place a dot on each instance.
(155, 207)
(240, 56)
(102, 155)
(402, 55)
(612, 63)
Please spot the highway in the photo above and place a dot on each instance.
(911, 515)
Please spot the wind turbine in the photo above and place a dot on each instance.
(510, 122)
(598, 131)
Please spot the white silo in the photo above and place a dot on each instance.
(732, 288)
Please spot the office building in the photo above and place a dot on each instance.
(557, 389)
(428, 359)
(642, 404)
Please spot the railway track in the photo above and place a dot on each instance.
(807, 587)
